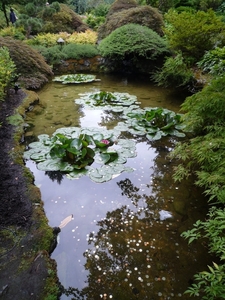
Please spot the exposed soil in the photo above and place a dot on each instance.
(24, 263)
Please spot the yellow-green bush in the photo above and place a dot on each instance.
(50, 39)
(7, 69)
(17, 33)
(87, 37)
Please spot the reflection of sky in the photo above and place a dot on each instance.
(88, 202)
(91, 118)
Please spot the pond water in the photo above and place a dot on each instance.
(123, 240)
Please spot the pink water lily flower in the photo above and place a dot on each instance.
(106, 142)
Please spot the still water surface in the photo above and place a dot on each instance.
(123, 241)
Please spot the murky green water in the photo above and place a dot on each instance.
(124, 239)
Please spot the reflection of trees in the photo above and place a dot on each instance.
(110, 119)
(134, 255)
(121, 264)
(55, 175)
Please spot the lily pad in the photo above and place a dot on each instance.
(76, 78)
(76, 153)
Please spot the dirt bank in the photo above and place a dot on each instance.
(26, 269)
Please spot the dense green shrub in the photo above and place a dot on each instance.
(94, 22)
(213, 62)
(174, 73)
(142, 15)
(193, 34)
(77, 51)
(54, 54)
(133, 41)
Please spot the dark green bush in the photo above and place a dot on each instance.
(213, 62)
(54, 54)
(174, 73)
(133, 41)
(77, 51)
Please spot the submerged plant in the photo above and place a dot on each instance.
(74, 152)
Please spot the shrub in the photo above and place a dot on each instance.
(143, 15)
(33, 70)
(77, 51)
(174, 73)
(87, 37)
(94, 22)
(213, 62)
(52, 55)
(133, 40)
(7, 70)
(15, 32)
(193, 34)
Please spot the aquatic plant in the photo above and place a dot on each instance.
(116, 102)
(75, 78)
(77, 152)
(154, 123)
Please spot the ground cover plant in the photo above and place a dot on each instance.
(99, 154)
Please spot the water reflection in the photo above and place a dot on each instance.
(124, 240)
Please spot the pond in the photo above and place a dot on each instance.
(121, 238)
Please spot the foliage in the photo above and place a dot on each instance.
(142, 15)
(94, 22)
(133, 41)
(7, 70)
(213, 62)
(155, 123)
(31, 68)
(14, 32)
(116, 102)
(120, 5)
(77, 51)
(204, 154)
(194, 33)
(73, 150)
(50, 39)
(174, 73)
(87, 37)
(75, 78)
(63, 20)
(211, 282)
(53, 55)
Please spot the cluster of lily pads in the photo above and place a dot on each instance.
(154, 123)
(76, 78)
(96, 152)
(116, 102)
(93, 152)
